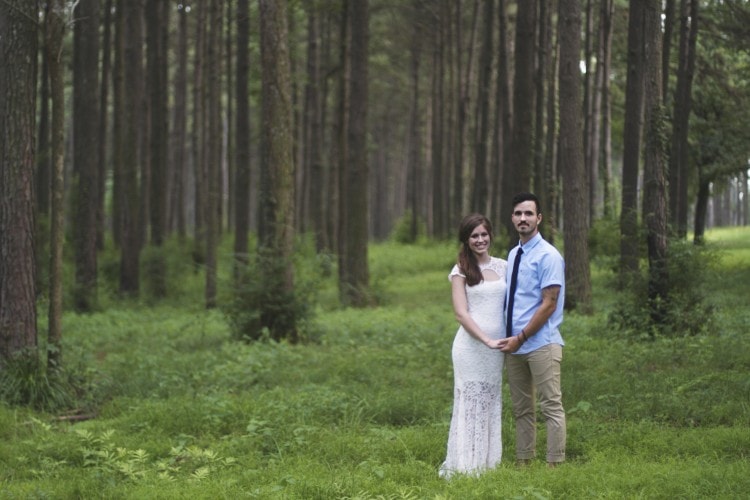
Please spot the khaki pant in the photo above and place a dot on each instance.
(537, 371)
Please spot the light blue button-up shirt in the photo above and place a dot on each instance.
(541, 266)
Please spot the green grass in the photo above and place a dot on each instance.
(179, 410)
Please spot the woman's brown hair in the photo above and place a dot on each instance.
(467, 261)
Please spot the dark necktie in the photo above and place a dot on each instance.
(512, 293)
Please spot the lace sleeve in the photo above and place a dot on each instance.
(456, 271)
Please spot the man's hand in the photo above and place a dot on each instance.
(510, 344)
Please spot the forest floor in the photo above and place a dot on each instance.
(172, 407)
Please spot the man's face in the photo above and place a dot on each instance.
(526, 219)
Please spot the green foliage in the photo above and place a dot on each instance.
(26, 380)
(688, 310)
(182, 410)
(263, 307)
(402, 230)
(604, 242)
(155, 272)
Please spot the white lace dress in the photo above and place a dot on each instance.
(474, 441)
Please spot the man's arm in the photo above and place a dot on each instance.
(550, 296)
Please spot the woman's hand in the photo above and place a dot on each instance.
(493, 343)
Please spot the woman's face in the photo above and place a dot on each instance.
(479, 240)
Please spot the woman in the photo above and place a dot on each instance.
(478, 292)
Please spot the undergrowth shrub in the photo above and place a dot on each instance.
(402, 229)
(262, 307)
(604, 242)
(687, 310)
(25, 380)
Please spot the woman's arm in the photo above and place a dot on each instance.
(461, 310)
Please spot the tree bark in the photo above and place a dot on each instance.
(629, 254)
(178, 169)
(701, 210)
(607, 14)
(576, 192)
(43, 179)
(543, 72)
(480, 198)
(106, 76)
(242, 151)
(679, 170)
(313, 135)
(414, 140)
(440, 191)
(342, 118)
(133, 74)
(197, 137)
(18, 58)
(519, 168)
(86, 147)
(276, 222)
(118, 125)
(669, 18)
(55, 31)
(654, 175)
(502, 123)
(214, 153)
(354, 289)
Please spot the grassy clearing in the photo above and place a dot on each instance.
(181, 411)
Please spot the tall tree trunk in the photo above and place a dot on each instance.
(679, 157)
(179, 142)
(629, 254)
(227, 176)
(504, 119)
(480, 199)
(576, 192)
(18, 58)
(701, 209)
(654, 175)
(118, 126)
(551, 198)
(590, 117)
(55, 31)
(43, 157)
(157, 59)
(596, 193)
(242, 151)
(198, 134)
(440, 186)
(214, 156)
(131, 148)
(745, 201)
(43, 178)
(104, 82)
(342, 119)
(519, 169)
(414, 142)
(669, 18)
(86, 147)
(607, 13)
(329, 189)
(355, 289)
(544, 57)
(276, 221)
(461, 170)
(313, 134)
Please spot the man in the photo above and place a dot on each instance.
(534, 312)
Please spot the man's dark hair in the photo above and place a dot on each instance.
(521, 197)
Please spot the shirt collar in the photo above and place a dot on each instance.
(531, 243)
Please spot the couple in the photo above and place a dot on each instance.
(516, 325)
